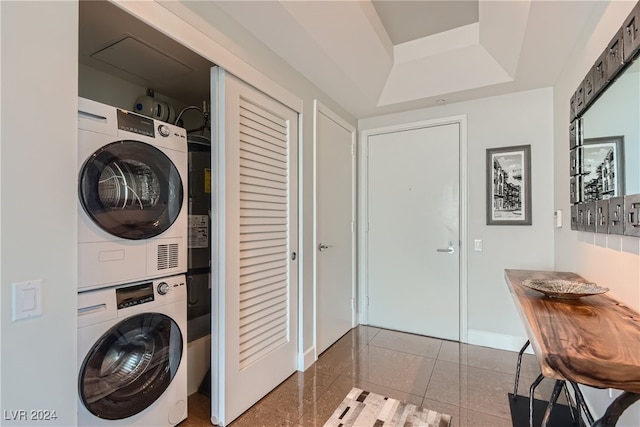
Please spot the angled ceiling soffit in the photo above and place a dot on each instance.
(308, 32)
(351, 35)
(473, 56)
(503, 25)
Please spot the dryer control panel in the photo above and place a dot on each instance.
(135, 123)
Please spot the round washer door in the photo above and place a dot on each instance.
(130, 366)
(131, 190)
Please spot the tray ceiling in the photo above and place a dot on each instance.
(381, 56)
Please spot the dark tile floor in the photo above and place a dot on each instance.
(468, 382)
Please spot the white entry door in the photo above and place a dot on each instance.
(257, 281)
(413, 239)
(335, 227)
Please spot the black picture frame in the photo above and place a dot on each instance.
(602, 168)
(509, 185)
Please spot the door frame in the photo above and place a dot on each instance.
(319, 108)
(363, 214)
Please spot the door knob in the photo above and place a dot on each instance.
(322, 246)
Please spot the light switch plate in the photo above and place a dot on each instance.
(477, 245)
(27, 299)
(558, 217)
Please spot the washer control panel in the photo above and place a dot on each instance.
(134, 295)
(154, 291)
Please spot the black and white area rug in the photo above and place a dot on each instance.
(363, 409)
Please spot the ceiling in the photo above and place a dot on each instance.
(370, 56)
(409, 20)
(382, 56)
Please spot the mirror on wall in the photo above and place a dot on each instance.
(611, 139)
(604, 138)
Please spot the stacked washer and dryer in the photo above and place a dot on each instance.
(132, 260)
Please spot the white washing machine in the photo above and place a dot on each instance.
(132, 188)
(132, 354)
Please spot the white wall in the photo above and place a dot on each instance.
(516, 119)
(610, 261)
(37, 192)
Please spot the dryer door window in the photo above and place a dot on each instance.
(130, 366)
(131, 190)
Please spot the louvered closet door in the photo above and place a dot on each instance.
(261, 287)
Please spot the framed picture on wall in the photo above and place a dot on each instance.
(602, 168)
(509, 185)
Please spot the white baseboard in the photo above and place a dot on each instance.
(306, 359)
(499, 341)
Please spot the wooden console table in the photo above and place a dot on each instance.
(593, 340)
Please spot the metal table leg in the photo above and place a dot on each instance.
(532, 389)
(554, 398)
(574, 410)
(613, 412)
(580, 403)
(515, 387)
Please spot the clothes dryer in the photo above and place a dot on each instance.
(132, 354)
(132, 188)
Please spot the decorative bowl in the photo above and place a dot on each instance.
(564, 289)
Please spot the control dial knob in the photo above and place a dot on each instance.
(163, 288)
(164, 130)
